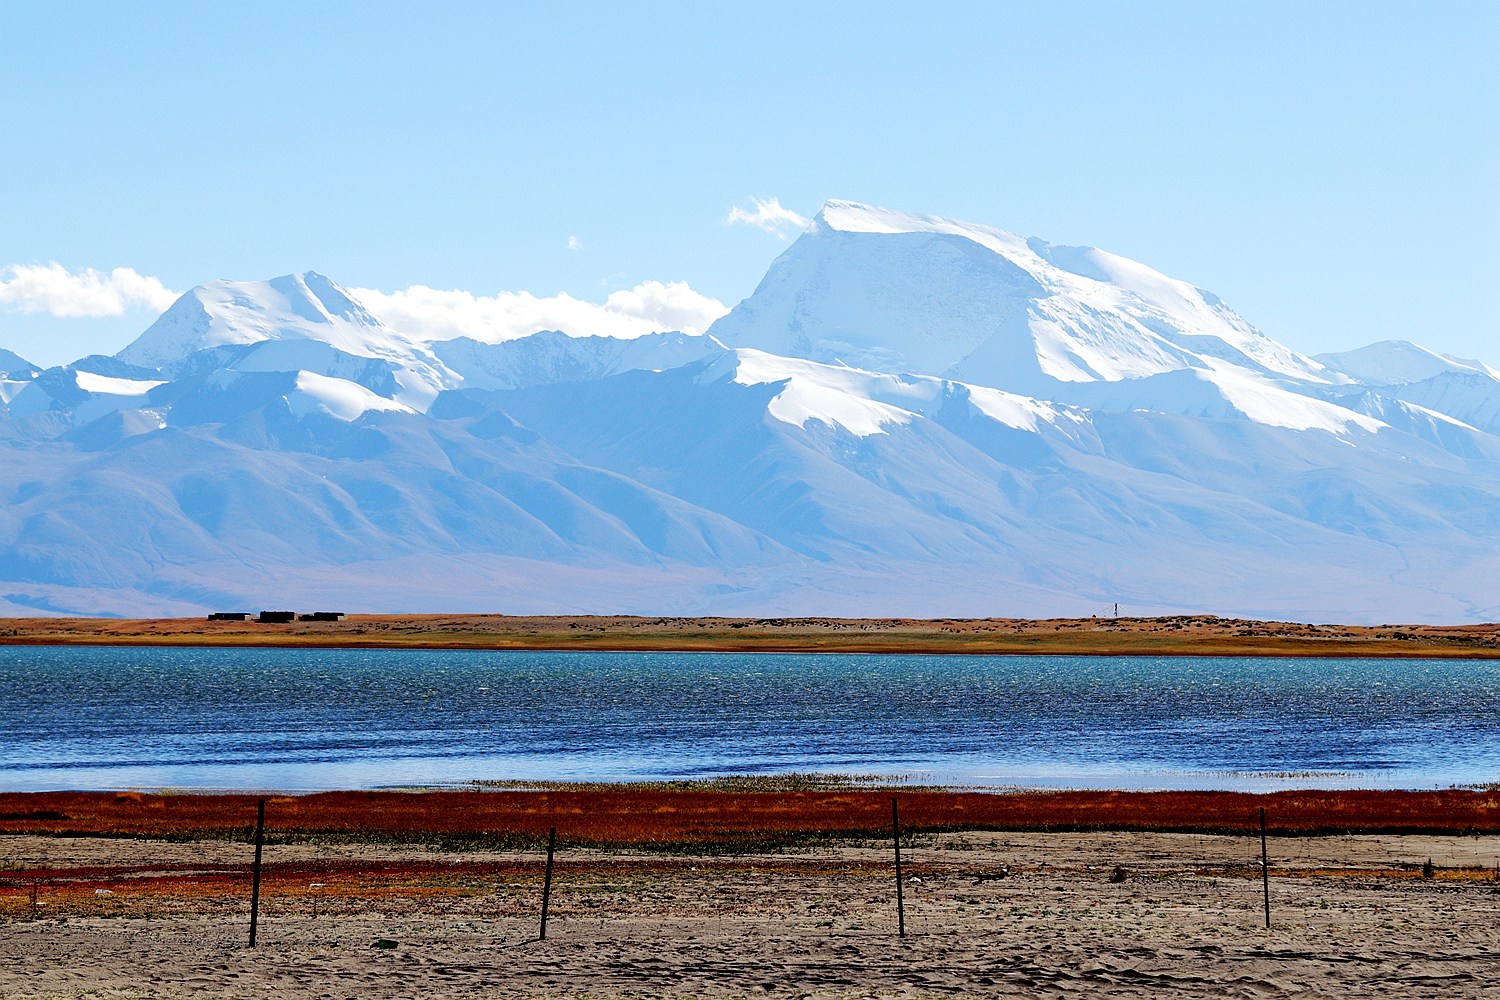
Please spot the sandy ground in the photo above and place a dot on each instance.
(987, 915)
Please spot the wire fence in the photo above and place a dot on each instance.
(944, 882)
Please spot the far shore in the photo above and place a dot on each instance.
(1200, 635)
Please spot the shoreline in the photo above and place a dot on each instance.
(703, 819)
(1167, 636)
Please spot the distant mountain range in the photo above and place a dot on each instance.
(910, 416)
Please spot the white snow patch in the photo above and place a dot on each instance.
(1265, 403)
(836, 396)
(865, 402)
(1435, 415)
(105, 385)
(338, 397)
(1021, 412)
(852, 217)
(1077, 344)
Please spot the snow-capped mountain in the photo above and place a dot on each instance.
(891, 291)
(896, 292)
(15, 373)
(14, 368)
(910, 415)
(1399, 362)
(295, 311)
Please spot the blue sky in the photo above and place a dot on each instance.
(1330, 170)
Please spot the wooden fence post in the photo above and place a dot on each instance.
(900, 899)
(547, 880)
(1265, 868)
(260, 833)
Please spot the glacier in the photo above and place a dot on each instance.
(909, 416)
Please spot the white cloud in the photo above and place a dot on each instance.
(768, 215)
(51, 288)
(573, 243)
(431, 314)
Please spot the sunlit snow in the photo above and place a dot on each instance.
(335, 396)
(89, 382)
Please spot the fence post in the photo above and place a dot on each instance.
(260, 833)
(547, 880)
(1265, 868)
(900, 900)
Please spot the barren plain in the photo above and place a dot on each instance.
(1203, 635)
(1106, 914)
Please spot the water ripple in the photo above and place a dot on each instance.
(112, 717)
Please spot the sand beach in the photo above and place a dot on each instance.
(988, 913)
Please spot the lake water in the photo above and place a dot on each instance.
(307, 719)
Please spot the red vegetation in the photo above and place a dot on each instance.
(648, 817)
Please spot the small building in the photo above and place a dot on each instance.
(277, 617)
(229, 616)
(324, 616)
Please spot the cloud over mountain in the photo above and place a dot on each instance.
(433, 314)
(768, 215)
(52, 288)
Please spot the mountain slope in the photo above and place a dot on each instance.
(879, 472)
(243, 500)
(15, 368)
(742, 482)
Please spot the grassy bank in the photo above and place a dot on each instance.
(716, 820)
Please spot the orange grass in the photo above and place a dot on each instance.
(655, 818)
(508, 888)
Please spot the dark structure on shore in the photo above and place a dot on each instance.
(277, 617)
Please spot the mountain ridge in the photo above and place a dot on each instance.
(910, 415)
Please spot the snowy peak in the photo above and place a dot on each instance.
(1399, 362)
(228, 313)
(15, 368)
(852, 217)
(15, 373)
(317, 299)
(295, 307)
(895, 291)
